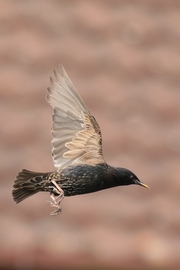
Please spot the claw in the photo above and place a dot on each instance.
(52, 203)
(56, 212)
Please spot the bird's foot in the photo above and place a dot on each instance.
(57, 195)
(56, 212)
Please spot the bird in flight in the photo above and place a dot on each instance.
(76, 151)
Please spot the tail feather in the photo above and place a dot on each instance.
(27, 183)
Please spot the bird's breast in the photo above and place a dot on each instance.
(83, 179)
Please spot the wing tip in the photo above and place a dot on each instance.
(61, 71)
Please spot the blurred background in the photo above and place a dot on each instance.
(123, 57)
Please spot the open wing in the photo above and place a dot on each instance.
(76, 134)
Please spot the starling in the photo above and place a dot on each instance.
(76, 151)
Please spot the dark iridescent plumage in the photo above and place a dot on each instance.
(77, 151)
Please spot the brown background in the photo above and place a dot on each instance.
(124, 58)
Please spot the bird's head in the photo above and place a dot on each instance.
(126, 177)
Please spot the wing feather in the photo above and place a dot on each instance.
(76, 134)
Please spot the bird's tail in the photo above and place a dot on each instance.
(28, 183)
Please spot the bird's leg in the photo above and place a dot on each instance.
(56, 199)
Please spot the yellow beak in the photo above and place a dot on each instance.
(143, 185)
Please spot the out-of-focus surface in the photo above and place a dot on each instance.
(124, 59)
